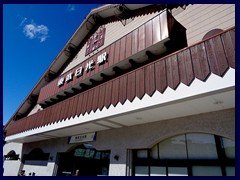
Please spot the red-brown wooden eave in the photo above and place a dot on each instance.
(182, 67)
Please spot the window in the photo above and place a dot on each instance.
(11, 156)
(193, 154)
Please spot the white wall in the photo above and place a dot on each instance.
(12, 167)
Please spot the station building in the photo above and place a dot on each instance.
(138, 90)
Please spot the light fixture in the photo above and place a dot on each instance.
(116, 157)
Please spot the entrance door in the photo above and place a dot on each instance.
(86, 159)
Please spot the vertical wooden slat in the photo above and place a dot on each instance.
(56, 111)
(123, 48)
(140, 81)
(79, 104)
(185, 67)
(111, 55)
(117, 52)
(131, 86)
(161, 75)
(95, 99)
(49, 119)
(71, 106)
(115, 92)
(199, 61)
(149, 33)
(106, 64)
(108, 97)
(129, 45)
(229, 47)
(156, 30)
(150, 79)
(216, 56)
(74, 106)
(135, 41)
(172, 72)
(85, 101)
(36, 119)
(90, 101)
(141, 38)
(102, 96)
(164, 26)
(122, 89)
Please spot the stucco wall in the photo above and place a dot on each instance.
(11, 167)
(134, 137)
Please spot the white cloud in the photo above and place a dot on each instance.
(71, 7)
(33, 31)
(23, 21)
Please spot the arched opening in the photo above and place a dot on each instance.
(36, 154)
(11, 156)
(191, 154)
(85, 160)
(211, 33)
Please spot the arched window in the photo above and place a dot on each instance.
(193, 154)
(11, 156)
(211, 33)
(36, 154)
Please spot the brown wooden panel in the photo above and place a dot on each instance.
(102, 90)
(131, 86)
(96, 66)
(161, 75)
(150, 79)
(36, 119)
(100, 67)
(149, 33)
(49, 119)
(108, 97)
(123, 48)
(84, 102)
(74, 106)
(185, 67)
(200, 63)
(129, 45)
(156, 30)
(229, 47)
(216, 56)
(70, 107)
(117, 52)
(164, 26)
(95, 99)
(111, 55)
(140, 81)
(115, 92)
(90, 101)
(122, 89)
(79, 104)
(66, 105)
(106, 64)
(55, 112)
(141, 38)
(172, 72)
(135, 41)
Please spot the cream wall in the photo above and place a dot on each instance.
(199, 19)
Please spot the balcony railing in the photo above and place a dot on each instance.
(214, 55)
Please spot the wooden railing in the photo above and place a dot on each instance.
(214, 55)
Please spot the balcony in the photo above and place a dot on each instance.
(215, 55)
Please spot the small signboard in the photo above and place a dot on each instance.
(82, 138)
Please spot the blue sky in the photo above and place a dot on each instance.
(33, 35)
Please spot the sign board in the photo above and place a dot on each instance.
(82, 138)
